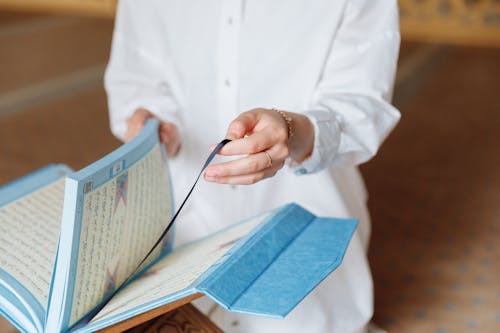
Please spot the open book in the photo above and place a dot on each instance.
(69, 239)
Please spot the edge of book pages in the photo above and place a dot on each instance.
(267, 271)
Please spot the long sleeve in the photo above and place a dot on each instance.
(351, 109)
(135, 76)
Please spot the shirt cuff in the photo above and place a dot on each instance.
(327, 135)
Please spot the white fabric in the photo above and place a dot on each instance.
(200, 63)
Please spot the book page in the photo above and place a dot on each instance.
(29, 232)
(121, 220)
(177, 270)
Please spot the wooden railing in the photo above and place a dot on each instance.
(97, 8)
(469, 22)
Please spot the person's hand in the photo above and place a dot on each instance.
(262, 135)
(169, 134)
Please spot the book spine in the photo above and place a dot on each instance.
(58, 294)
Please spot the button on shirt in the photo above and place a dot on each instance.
(199, 64)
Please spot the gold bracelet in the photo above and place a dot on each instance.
(288, 120)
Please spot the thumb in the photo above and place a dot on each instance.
(136, 122)
(140, 116)
(242, 125)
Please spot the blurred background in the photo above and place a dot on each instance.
(434, 187)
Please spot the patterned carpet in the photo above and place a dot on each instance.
(435, 200)
(434, 187)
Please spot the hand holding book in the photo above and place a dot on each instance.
(168, 132)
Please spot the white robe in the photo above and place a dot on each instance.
(199, 64)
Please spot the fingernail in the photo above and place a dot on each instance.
(210, 178)
(210, 174)
(232, 136)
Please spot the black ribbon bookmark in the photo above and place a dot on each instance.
(94, 312)
(171, 223)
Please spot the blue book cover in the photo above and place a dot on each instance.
(71, 240)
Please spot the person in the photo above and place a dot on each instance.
(302, 88)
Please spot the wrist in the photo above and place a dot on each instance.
(301, 143)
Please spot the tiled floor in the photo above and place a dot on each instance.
(434, 187)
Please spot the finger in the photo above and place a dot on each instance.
(136, 122)
(168, 128)
(251, 144)
(139, 117)
(169, 135)
(173, 149)
(251, 163)
(242, 125)
(131, 132)
(243, 166)
(132, 129)
(172, 145)
(249, 178)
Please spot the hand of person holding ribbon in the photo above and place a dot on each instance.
(267, 137)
